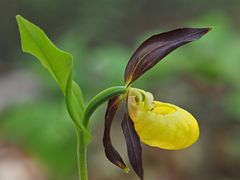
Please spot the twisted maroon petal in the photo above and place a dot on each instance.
(110, 151)
(154, 49)
(133, 145)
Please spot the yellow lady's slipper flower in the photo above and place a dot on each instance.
(161, 124)
(152, 122)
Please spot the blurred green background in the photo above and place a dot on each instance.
(37, 138)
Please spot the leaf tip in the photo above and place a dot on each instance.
(19, 18)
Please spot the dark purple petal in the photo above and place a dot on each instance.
(133, 145)
(110, 151)
(157, 47)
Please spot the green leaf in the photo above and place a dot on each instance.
(75, 104)
(35, 42)
(57, 62)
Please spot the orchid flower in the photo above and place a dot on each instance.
(154, 123)
(151, 122)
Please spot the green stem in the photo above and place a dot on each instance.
(83, 137)
(82, 146)
(99, 99)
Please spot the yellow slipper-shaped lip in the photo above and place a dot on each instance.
(161, 124)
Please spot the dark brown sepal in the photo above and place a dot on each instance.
(133, 145)
(110, 151)
(151, 51)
